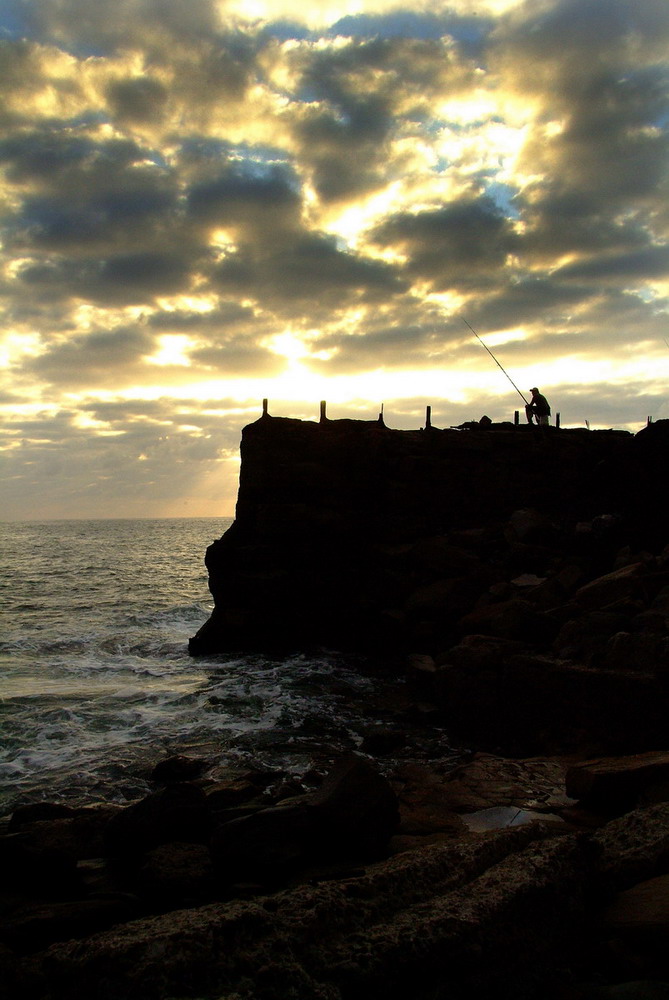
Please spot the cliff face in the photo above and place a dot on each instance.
(339, 524)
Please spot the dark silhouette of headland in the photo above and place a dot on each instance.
(522, 564)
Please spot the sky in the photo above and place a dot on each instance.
(205, 203)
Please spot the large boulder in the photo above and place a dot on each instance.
(515, 619)
(357, 808)
(263, 846)
(177, 768)
(583, 638)
(179, 811)
(353, 814)
(621, 584)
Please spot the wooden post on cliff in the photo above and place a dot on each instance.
(264, 408)
(516, 418)
(557, 421)
(428, 418)
(323, 409)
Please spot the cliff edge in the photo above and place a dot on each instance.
(329, 517)
(508, 566)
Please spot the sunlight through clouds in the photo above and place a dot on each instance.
(209, 205)
(172, 350)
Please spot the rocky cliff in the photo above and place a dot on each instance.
(506, 565)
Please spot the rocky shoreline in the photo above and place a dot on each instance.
(542, 877)
(534, 863)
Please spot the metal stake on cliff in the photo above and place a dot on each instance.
(495, 360)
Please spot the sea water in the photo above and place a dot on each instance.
(96, 684)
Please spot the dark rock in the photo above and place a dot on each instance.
(388, 513)
(35, 811)
(234, 792)
(646, 652)
(34, 925)
(379, 741)
(443, 559)
(638, 921)
(634, 847)
(621, 584)
(350, 535)
(77, 835)
(175, 812)
(265, 844)
(537, 904)
(584, 638)
(357, 809)
(353, 813)
(660, 603)
(481, 652)
(515, 619)
(529, 525)
(643, 909)
(421, 665)
(615, 784)
(635, 989)
(36, 870)
(176, 769)
(177, 873)
(535, 704)
(12, 976)
(425, 808)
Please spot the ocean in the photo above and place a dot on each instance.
(96, 684)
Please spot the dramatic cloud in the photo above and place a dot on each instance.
(207, 204)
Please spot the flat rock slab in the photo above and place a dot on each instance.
(486, 793)
(488, 780)
(617, 782)
(500, 817)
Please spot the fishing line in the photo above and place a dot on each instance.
(495, 360)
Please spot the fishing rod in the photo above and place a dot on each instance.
(495, 360)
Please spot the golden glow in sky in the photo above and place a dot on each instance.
(208, 205)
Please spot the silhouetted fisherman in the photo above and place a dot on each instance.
(538, 408)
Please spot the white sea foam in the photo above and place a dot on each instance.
(96, 684)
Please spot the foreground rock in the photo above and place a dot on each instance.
(353, 815)
(548, 898)
(65, 875)
(398, 929)
(511, 914)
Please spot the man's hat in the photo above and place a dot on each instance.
(534, 390)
